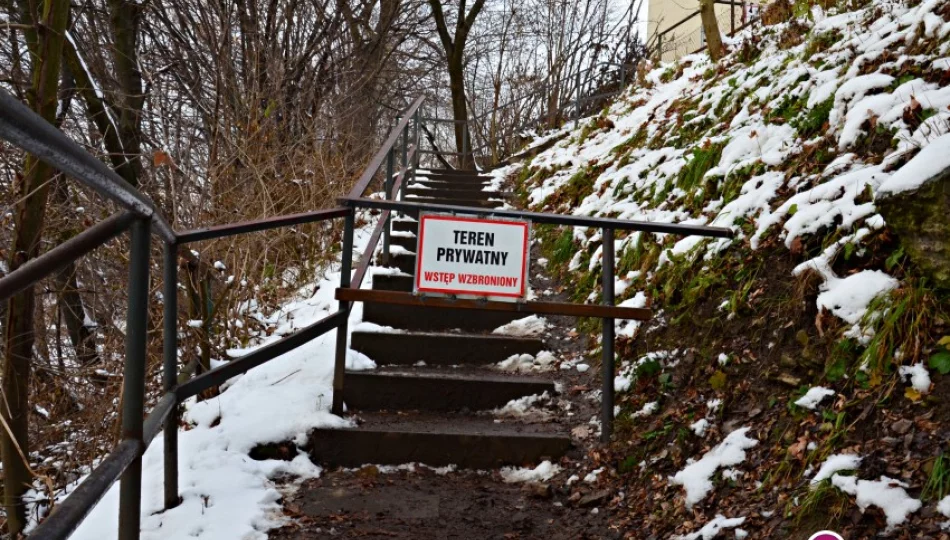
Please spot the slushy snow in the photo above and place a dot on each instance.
(542, 473)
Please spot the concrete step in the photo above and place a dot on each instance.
(452, 173)
(406, 242)
(440, 193)
(393, 282)
(436, 440)
(467, 185)
(404, 262)
(440, 348)
(407, 389)
(434, 319)
(472, 203)
(406, 226)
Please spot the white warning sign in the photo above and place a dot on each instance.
(472, 256)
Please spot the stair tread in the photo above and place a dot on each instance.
(455, 424)
(429, 318)
(454, 373)
(442, 334)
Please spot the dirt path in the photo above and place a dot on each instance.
(418, 502)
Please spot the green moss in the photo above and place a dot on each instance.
(724, 102)
(731, 186)
(813, 122)
(637, 140)
(557, 244)
(579, 186)
(589, 128)
(821, 43)
(632, 257)
(703, 158)
(668, 75)
(690, 134)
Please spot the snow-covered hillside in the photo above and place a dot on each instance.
(791, 141)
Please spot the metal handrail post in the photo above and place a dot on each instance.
(390, 167)
(405, 147)
(170, 371)
(346, 265)
(133, 388)
(607, 361)
(415, 141)
(405, 155)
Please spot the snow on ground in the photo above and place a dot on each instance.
(813, 397)
(782, 143)
(918, 375)
(642, 160)
(522, 406)
(647, 409)
(627, 372)
(526, 327)
(835, 464)
(887, 494)
(932, 159)
(712, 529)
(225, 493)
(696, 478)
(543, 361)
(542, 473)
(848, 298)
(592, 476)
(944, 506)
(699, 427)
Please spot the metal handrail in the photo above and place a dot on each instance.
(25, 129)
(387, 146)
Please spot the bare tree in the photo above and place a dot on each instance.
(454, 48)
(45, 39)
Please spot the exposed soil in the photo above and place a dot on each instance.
(423, 504)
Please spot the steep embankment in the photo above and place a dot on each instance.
(793, 376)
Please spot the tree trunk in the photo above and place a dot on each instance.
(707, 11)
(32, 191)
(460, 113)
(71, 306)
(125, 16)
(70, 301)
(455, 54)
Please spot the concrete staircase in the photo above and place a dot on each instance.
(428, 400)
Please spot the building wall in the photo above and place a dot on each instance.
(688, 37)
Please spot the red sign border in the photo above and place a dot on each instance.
(442, 217)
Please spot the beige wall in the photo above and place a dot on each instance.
(688, 37)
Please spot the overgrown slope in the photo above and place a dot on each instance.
(812, 327)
